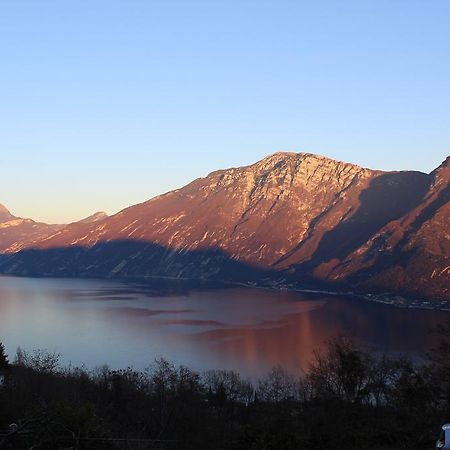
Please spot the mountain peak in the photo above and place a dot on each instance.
(305, 157)
(4, 213)
(442, 173)
(96, 217)
(445, 164)
(280, 156)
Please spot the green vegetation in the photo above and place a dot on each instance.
(349, 399)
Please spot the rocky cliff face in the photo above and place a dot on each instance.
(293, 215)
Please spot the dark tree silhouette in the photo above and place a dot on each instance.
(4, 363)
(348, 399)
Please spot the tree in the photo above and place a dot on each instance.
(439, 355)
(4, 363)
(230, 382)
(342, 372)
(39, 360)
(277, 386)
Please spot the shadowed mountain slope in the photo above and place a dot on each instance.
(297, 215)
(411, 254)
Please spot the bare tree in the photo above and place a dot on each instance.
(39, 360)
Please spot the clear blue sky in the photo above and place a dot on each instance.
(104, 104)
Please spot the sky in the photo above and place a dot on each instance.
(104, 104)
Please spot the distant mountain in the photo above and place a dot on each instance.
(96, 217)
(16, 232)
(293, 216)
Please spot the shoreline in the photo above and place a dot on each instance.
(385, 298)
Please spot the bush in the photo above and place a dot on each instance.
(349, 399)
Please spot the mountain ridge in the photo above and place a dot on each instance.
(299, 216)
(16, 232)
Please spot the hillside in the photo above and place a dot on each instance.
(297, 216)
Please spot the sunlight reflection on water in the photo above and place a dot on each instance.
(250, 330)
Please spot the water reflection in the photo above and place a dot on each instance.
(96, 322)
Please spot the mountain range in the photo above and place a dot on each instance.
(17, 233)
(290, 218)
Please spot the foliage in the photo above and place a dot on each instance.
(349, 399)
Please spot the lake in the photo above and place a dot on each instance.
(95, 322)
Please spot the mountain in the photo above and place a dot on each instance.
(16, 232)
(411, 253)
(294, 216)
(96, 217)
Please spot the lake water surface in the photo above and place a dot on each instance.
(96, 322)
